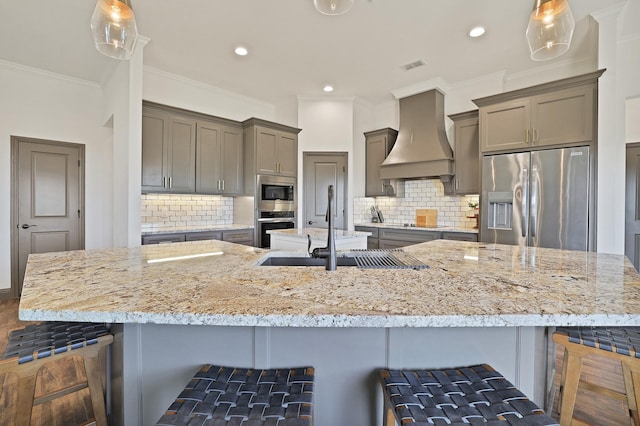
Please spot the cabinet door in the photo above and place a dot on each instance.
(287, 154)
(244, 236)
(162, 238)
(232, 161)
(467, 157)
(154, 150)
(267, 142)
(564, 116)
(208, 158)
(460, 236)
(203, 236)
(376, 152)
(505, 125)
(182, 155)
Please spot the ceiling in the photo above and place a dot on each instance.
(293, 49)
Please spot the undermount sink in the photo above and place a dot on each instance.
(370, 259)
(305, 261)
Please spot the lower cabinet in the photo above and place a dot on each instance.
(237, 236)
(391, 238)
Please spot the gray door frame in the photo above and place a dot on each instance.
(631, 240)
(15, 172)
(345, 155)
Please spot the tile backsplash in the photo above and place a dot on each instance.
(170, 212)
(419, 194)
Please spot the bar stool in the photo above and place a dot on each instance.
(476, 394)
(620, 343)
(36, 346)
(233, 396)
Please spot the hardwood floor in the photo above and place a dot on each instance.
(72, 409)
(75, 409)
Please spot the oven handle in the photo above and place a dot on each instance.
(267, 220)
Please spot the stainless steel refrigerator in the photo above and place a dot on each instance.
(537, 198)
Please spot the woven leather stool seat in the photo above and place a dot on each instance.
(476, 395)
(218, 396)
(620, 343)
(31, 348)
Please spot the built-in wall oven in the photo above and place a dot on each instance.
(275, 207)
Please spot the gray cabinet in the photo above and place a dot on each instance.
(270, 148)
(395, 238)
(168, 152)
(378, 144)
(239, 236)
(219, 158)
(558, 113)
(460, 236)
(163, 238)
(467, 153)
(203, 236)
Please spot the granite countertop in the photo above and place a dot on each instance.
(317, 233)
(467, 285)
(418, 228)
(198, 228)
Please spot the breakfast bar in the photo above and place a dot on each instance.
(175, 307)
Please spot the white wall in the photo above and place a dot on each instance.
(43, 105)
(632, 120)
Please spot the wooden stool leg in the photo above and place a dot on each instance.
(92, 368)
(24, 404)
(632, 386)
(569, 385)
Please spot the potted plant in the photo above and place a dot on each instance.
(476, 210)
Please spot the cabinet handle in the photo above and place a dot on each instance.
(222, 184)
(457, 183)
(164, 181)
(534, 136)
(526, 137)
(170, 183)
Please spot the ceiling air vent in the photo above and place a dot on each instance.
(413, 65)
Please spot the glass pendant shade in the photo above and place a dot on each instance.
(114, 28)
(550, 29)
(333, 7)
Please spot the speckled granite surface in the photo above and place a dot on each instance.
(417, 228)
(467, 285)
(318, 233)
(200, 228)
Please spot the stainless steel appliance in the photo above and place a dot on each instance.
(276, 193)
(270, 220)
(538, 198)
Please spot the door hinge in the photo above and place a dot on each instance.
(78, 214)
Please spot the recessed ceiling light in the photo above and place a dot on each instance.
(241, 51)
(476, 31)
(328, 88)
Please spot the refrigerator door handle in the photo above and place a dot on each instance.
(534, 201)
(525, 200)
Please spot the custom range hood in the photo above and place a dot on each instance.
(421, 149)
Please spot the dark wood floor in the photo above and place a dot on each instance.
(75, 409)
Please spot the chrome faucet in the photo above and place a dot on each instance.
(328, 252)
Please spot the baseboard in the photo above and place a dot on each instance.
(5, 293)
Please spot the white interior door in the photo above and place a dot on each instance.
(48, 199)
(321, 170)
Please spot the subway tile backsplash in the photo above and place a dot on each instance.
(419, 194)
(170, 212)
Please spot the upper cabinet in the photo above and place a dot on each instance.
(378, 144)
(219, 159)
(466, 153)
(186, 152)
(558, 113)
(270, 148)
(168, 152)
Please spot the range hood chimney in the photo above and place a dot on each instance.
(421, 149)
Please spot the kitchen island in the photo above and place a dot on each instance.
(475, 303)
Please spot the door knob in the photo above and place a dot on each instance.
(310, 222)
(25, 226)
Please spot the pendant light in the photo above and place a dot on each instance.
(333, 7)
(550, 29)
(114, 28)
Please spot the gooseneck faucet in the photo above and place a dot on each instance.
(328, 252)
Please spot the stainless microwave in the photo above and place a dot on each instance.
(276, 193)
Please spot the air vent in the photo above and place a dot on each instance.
(413, 65)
